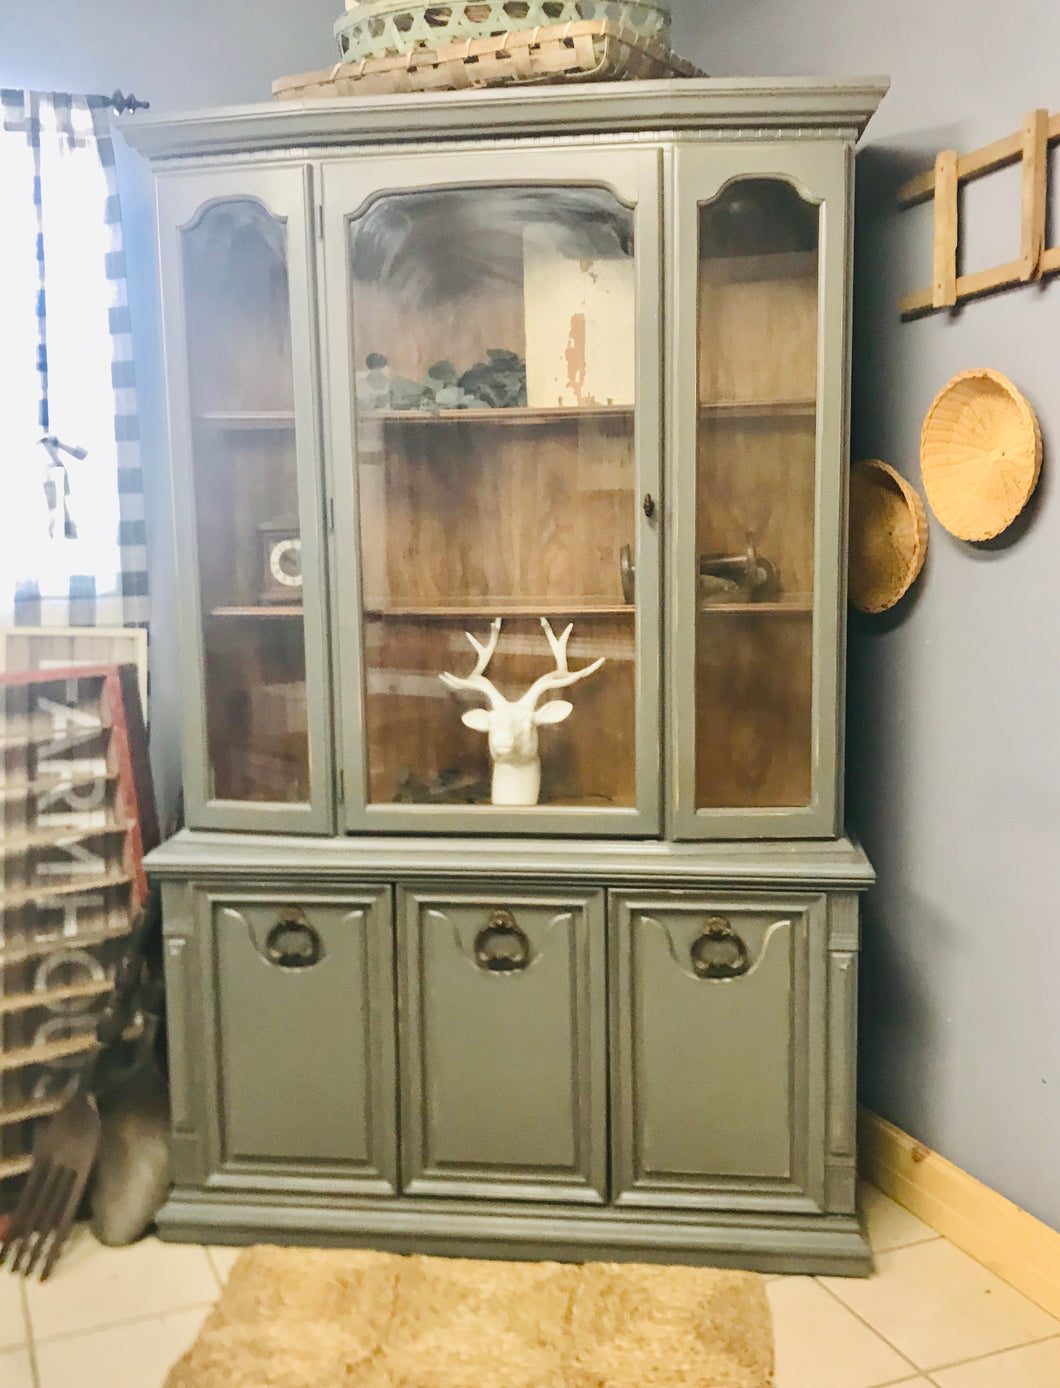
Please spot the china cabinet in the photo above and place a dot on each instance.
(515, 913)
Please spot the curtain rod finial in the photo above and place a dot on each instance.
(123, 104)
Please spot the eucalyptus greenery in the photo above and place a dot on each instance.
(498, 383)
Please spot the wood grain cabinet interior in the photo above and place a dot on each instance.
(555, 956)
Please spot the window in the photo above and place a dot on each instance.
(71, 518)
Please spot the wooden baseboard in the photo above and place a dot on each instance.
(995, 1232)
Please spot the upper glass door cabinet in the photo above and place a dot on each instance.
(243, 427)
(495, 390)
(760, 415)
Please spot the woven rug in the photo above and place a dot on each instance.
(300, 1318)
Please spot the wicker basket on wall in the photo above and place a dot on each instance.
(980, 454)
(888, 536)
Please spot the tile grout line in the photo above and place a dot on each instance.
(31, 1344)
(839, 1300)
(131, 1320)
(937, 1368)
(991, 1354)
(898, 1247)
(214, 1269)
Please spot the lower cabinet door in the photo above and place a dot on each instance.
(718, 1014)
(503, 1037)
(304, 1037)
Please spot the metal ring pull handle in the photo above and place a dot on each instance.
(292, 943)
(501, 947)
(719, 952)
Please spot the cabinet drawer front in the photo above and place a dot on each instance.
(304, 1035)
(503, 1045)
(718, 1045)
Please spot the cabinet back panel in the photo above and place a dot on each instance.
(413, 726)
(457, 512)
(754, 696)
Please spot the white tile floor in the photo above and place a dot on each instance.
(930, 1317)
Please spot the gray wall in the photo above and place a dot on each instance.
(955, 749)
(177, 54)
(954, 708)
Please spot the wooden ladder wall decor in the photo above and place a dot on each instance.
(76, 817)
(1029, 145)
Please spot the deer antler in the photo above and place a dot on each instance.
(477, 680)
(561, 677)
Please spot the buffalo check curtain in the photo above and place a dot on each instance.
(72, 541)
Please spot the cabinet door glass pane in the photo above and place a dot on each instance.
(237, 312)
(756, 466)
(495, 375)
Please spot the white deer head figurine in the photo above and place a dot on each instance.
(512, 724)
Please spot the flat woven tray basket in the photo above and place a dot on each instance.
(381, 28)
(888, 536)
(588, 51)
(980, 454)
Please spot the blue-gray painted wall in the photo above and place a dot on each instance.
(954, 707)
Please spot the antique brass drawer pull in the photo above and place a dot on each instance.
(719, 952)
(501, 947)
(292, 943)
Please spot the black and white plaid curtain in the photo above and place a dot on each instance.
(81, 546)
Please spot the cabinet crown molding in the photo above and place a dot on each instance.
(760, 106)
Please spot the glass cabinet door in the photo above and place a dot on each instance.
(243, 427)
(760, 402)
(495, 391)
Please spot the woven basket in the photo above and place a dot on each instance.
(888, 536)
(384, 28)
(980, 454)
(592, 51)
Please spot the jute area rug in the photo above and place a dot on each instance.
(301, 1318)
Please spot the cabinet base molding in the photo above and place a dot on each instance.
(995, 1232)
(821, 1244)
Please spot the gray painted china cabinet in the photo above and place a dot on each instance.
(555, 956)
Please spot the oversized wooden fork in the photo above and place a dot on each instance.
(65, 1146)
(64, 1153)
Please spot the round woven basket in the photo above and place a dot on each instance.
(384, 28)
(888, 536)
(980, 454)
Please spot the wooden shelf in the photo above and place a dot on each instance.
(17, 953)
(48, 1051)
(27, 1002)
(22, 789)
(259, 612)
(790, 607)
(23, 1113)
(758, 409)
(489, 611)
(14, 897)
(516, 415)
(14, 845)
(248, 420)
